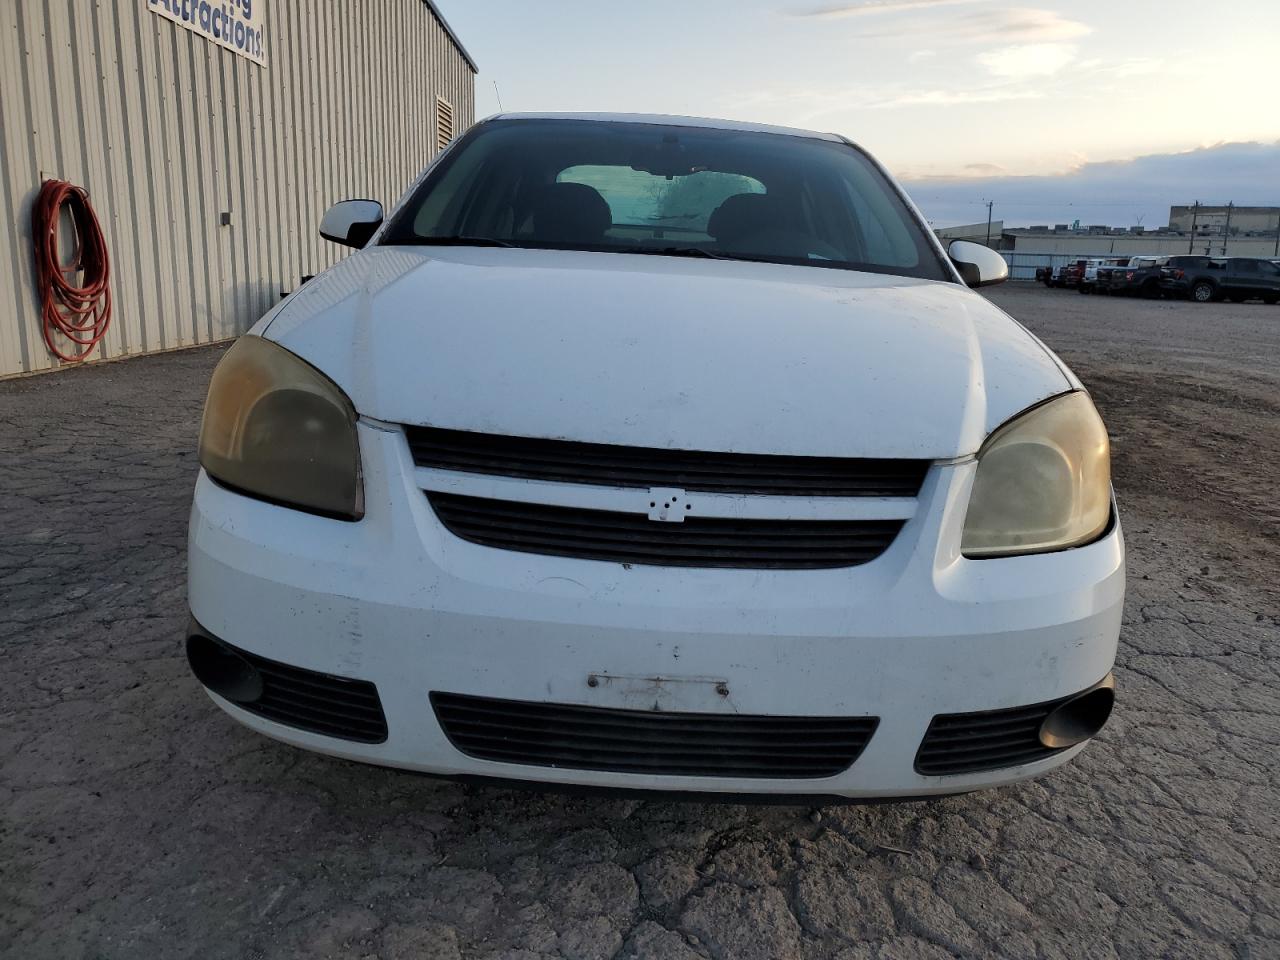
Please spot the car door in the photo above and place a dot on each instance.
(1268, 280)
(1215, 271)
(1242, 278)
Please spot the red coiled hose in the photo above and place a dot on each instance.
(74, 317)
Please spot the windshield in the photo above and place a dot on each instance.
(646, 188)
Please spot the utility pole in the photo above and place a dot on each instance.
(1195, 215)
(1276, 253)
(989, 203)
(1226, 231)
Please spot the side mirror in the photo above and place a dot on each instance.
(351, 222)
(979, 266)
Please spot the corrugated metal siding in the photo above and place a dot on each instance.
(168, 130)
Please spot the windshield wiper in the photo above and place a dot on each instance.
(679, 252)
(452, 242)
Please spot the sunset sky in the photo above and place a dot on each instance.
(984, 92)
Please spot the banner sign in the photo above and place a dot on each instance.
(234, 24)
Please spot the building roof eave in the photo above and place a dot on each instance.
(435, 10)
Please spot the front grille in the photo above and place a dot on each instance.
(604, 464)
(319, 702)
(987, 740)
(642, 741)
(634, 538)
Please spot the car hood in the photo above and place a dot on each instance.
(667, 352)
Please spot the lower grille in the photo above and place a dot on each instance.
(318, 702)
(634, 538)
(642, 741)
(986, 740)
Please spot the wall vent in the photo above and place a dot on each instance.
(444, 123)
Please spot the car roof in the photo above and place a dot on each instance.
(673, 121)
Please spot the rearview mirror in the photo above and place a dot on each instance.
(977, 265)
(351, 222)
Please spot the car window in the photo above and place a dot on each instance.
(1268, 268)
(639, 201)
(649, 188)
(1245, 266)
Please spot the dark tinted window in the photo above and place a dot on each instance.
(1244, 266)
(653, 189)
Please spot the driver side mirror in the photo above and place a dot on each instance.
(351, 222)
(978, 265)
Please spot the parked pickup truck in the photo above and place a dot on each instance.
(1067, 275)
(1137, 276)
(1053, 276)
(1079, 273)
(1088, 280)
(1217, 278)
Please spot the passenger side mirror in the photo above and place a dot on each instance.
(351, 222)
(978, 266)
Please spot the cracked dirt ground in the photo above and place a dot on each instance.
(139, 821)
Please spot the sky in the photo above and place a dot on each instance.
(1099, 111)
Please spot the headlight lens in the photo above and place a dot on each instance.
(1043, 482)
(275, 427)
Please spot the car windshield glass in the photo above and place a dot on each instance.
(645, 188)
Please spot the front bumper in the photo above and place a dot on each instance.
(398, 601)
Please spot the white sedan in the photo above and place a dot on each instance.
(664, 454)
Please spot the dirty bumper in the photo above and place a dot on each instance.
(469, 648)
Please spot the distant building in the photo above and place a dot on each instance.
(1130, 242)
(1213, 220)
(1255, 232)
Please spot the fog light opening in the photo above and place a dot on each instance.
(223, 671)
(1079, 718)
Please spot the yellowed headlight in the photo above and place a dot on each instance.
(276, 428)
(1043, 482)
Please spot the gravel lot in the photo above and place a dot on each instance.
(139, 821)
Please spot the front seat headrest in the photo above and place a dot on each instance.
(569, 213)
(742, 215)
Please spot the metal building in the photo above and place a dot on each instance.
(1214, 219)
(211, 137)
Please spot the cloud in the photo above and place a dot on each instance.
(1124, 69)
(1028, 60)
(921, 55)
(1115, 192)
(1004, 24)
(808, 105)
(1007, 25)
(949, 98)
(1020, 24)
(872, 7)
